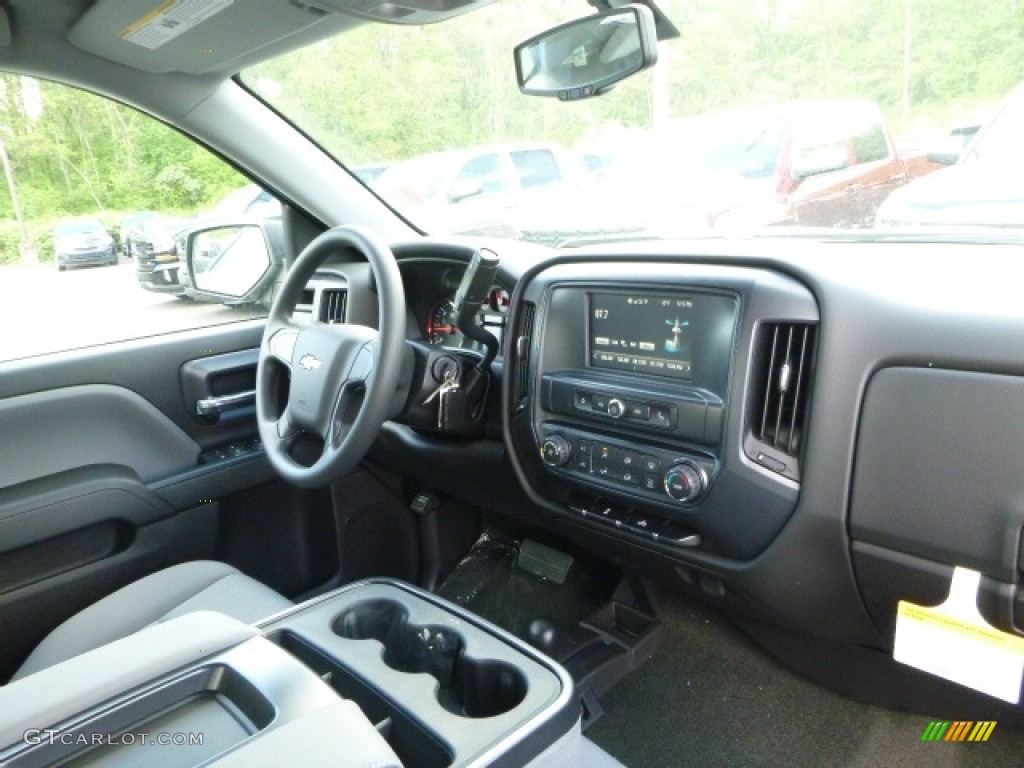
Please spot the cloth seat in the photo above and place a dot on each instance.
(175, 591)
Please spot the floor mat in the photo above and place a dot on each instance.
(488, 582)
(710, 698)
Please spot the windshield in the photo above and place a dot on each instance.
(87, 227)
(758, 116)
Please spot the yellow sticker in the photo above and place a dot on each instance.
(953, 641)
(169, 20)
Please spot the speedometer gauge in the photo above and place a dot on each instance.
(441, 328)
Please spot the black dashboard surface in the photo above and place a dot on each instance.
(874, 307)
(827, 549)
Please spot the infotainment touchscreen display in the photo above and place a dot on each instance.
(642, 333)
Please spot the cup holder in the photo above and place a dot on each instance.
(466, 686)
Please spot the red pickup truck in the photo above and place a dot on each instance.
(817, 164)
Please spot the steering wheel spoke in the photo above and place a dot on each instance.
(286, 429)
(281, 344)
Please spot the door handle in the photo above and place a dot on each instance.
(214, 406)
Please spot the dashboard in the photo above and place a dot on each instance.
(802, 431)
(783, 426)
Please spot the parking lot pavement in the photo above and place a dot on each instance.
(43, 310)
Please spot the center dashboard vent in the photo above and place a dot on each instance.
(781, 387)
(523, 342)
(332, 306)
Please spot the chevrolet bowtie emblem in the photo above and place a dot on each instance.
(310, 362)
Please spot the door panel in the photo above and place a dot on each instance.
(107, 473)
(60, 429)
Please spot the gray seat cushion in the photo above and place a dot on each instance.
(175, 591)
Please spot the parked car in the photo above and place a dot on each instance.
(82, 242)
(821, 164)
(130, 225)
(982, 189)
(156, 254)
(250, 201)
(476, 190)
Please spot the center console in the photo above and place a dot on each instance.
(378, 673)
(650, 362)
(648, 402)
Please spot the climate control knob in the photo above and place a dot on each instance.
(685, 481)
(616, 408)
(555, 451)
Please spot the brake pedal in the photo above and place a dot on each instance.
(543, 561)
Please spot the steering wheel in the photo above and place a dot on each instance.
(343, 377)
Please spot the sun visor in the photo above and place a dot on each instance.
(400, 11)
(5, 28)
(199, 36)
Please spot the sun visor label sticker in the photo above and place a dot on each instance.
(953, 641)
(170, 19)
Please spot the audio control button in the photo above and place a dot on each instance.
(583, 400)
(639, 411)
(662, 416)
(600, 403)
(616, 408)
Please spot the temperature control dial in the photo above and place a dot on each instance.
(555, 451)
(685, 481)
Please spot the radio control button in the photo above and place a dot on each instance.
(600, 403)
(583, 400)
(616, 408)
(639, 411)
(661, 416)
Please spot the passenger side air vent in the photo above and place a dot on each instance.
(332, 306)
(523, 342)
(781, 386)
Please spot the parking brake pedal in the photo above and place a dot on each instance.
(544, 561)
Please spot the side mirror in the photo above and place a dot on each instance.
(588, 56)
(815, 162)
(229, 263)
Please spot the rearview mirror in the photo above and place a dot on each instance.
(228, 262)
(588, 56)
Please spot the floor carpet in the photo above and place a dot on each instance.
(709, 698)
